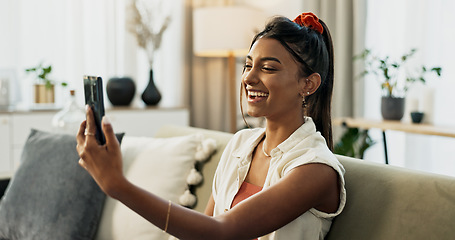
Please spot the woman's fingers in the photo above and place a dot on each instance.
(82, 163)
(111, 139)
(90, 129)
(80, 137)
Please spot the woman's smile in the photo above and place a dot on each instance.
(257, 96)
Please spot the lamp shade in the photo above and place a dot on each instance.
(223, 31)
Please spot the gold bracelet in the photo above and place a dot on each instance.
(167, 217)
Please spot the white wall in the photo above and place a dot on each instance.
(87, 37)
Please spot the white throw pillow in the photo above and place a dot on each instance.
(162, 166)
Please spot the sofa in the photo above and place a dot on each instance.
(383, 202)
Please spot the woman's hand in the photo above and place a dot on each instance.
(104, 162)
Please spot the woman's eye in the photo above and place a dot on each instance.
(270, 69)
(247, 66)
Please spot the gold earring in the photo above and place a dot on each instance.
(303, 101)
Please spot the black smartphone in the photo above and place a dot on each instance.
(93, 88)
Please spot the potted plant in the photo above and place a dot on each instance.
(394, 85)
(44, 87)
(353, 143)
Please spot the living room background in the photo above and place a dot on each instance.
(91, 37)
(393, 28)
(88, 37)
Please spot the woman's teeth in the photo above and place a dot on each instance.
(258, 94)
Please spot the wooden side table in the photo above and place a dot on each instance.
(417, 128)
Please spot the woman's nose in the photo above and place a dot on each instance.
(249, 77)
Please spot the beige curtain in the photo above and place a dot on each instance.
(346, 20)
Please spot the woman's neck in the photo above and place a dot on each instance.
(277, 132)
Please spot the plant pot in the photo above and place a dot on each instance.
(417, 117)
(120, 90)
(392, 108)
(43, 94)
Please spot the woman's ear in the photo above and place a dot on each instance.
(311, 84)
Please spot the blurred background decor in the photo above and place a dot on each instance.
(148, 24)
(218, 35)
(44, 87)
(120, 90)
(70, 117)
(9, 89)
(4, 92)
(353, 143)
(394, 81)
(417, 117)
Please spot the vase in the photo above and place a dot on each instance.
(392, 108)
(70, 117)
(120, 91)
(151, 96)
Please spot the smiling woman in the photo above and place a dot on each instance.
(288, 79)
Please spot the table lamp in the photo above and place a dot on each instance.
(226, 32)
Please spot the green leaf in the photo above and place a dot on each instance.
(365, 143)
(42, 76)
(365, 72)
(48, 85)
(353, 143)
(47, 70)
(437, 70)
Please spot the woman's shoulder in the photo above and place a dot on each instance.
(312, 149)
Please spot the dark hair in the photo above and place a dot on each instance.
(315, 53)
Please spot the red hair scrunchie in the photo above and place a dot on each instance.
(309, 20)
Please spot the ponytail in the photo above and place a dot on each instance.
(320, 103)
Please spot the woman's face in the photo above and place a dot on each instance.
(272, 82)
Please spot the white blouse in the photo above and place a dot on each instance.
(304, 146)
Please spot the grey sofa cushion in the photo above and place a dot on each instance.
(51, 196)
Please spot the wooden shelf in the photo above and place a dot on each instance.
(417, 128)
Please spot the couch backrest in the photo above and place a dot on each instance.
(383, 202)
(387, 202)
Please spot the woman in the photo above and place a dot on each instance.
(281, 182)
